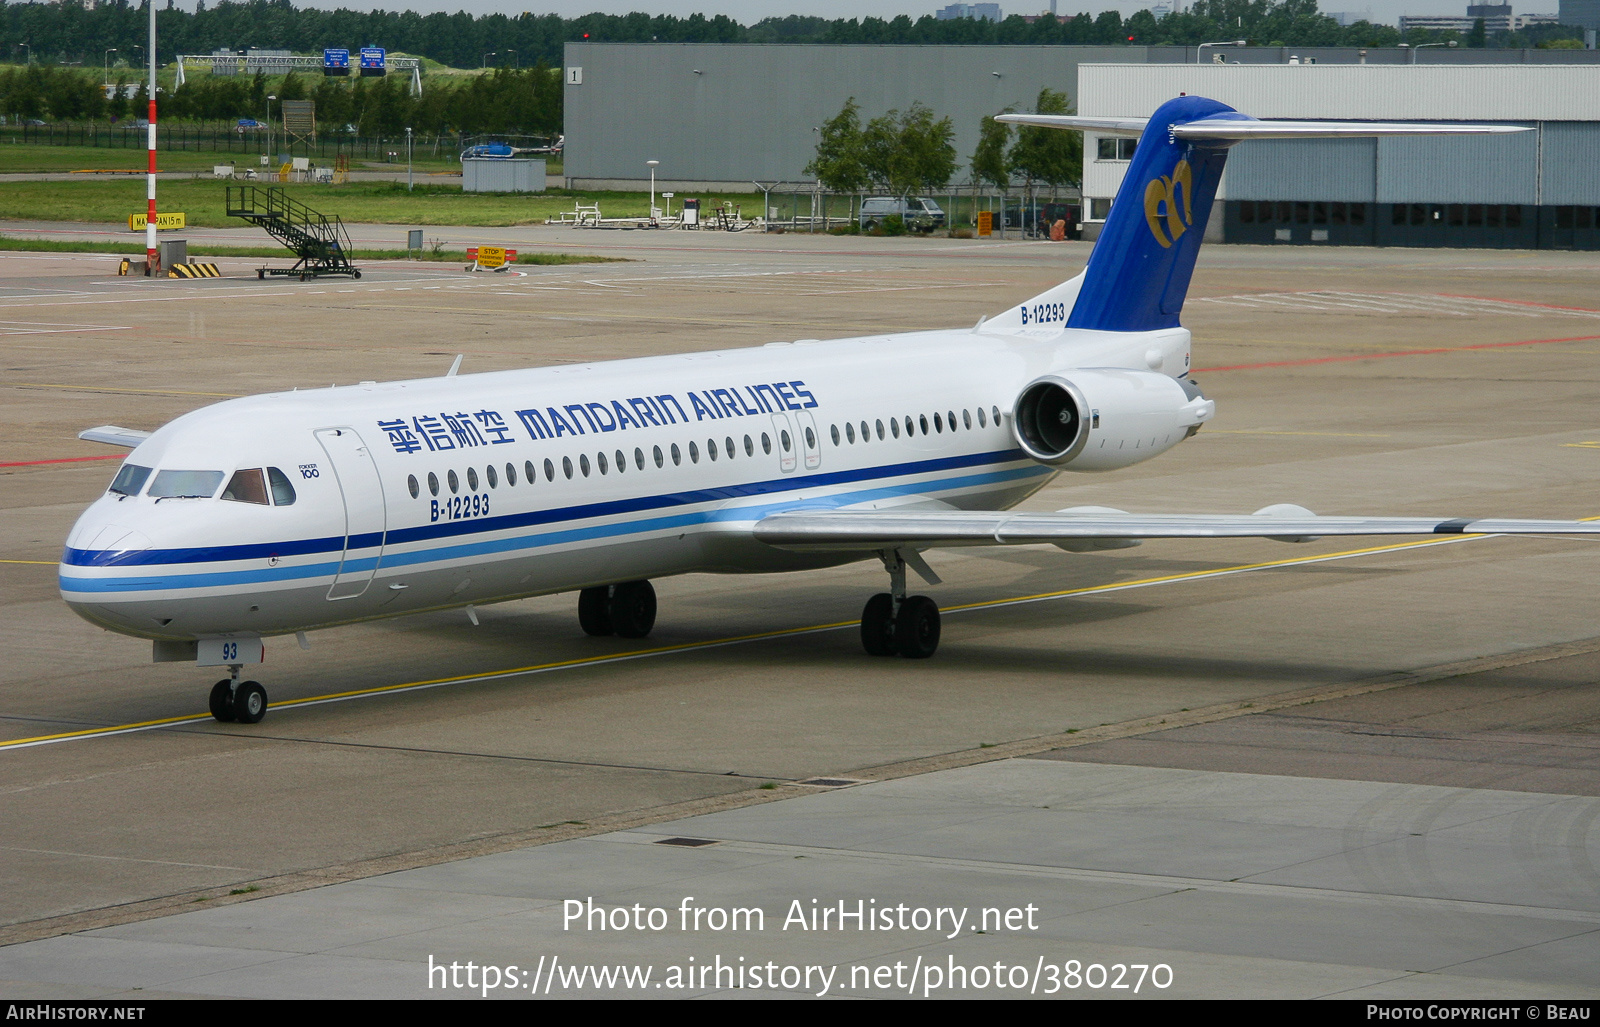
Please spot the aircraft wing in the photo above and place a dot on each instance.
(890, 529)
(112, 435)
(1240, 127)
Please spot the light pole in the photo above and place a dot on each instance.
(408, 158)
(487, 56)
(30, 52)
(1225, 42)
(513, 54)
(1414, 47)
(106, 65)
(652, 164)
(271, 157)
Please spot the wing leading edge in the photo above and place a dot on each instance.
(1235, 129)
(840, 530)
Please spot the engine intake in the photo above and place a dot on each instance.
(1052, 420)
(1104, 418)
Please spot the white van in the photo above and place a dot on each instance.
(920, 214)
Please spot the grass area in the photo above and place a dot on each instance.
(443, 256)
(110, 202)
(17, 158)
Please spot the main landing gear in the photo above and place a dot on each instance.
(895, 623)
(233, 700)
(627, 610)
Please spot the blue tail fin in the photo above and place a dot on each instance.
(1139, 271)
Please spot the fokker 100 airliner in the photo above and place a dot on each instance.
(285, 513)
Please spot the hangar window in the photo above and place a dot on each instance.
(248, 486)
(433, 484)
(1358, 213)
(1474, 215)
(130, 479)
(453, 481)
(412, 486)
(1455, 215)
(472, 479)
(1513, 215)
(282, 491)
(185, 484)
(1115, 149)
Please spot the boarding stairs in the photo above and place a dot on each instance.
(319, 240)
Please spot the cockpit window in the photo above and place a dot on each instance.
(185, 484)
(130, 479)
(247, 486)
(282, 490)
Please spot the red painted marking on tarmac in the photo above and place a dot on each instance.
(63, 460)
(1397, 353)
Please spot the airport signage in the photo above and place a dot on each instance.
(336, 62)
(164, 222)
(491, 256)
(372, 60)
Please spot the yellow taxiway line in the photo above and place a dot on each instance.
(640, 654)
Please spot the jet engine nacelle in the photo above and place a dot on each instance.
(1105, 418)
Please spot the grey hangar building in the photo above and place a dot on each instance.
(743, 117)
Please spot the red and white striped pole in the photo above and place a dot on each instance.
(151, 256)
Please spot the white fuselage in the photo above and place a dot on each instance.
(549, 479)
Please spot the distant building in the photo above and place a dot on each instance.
(1496, 18)
(986, 12)
(1348, 18)
(1582, 13)
(1160, 11)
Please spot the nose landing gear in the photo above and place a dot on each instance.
(235, 701)
(627, 610)
(895, 623)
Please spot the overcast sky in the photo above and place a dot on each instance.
(751, 11)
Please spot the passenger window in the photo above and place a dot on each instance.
(966, 419)
(950, 416)
(454, 482)
(711, 448)
(981, 422)
(638, 458)
(511, 473)
(622, 461)
(412, 486)
(494, 479)
(811, 439)
(247, 486)
(657, 454)
(472, 479)
(749, 446)
(733, 450)
(923, 420)
(783, 437)
(938, 424)
(850, 432)
(694, 453)
(766, 443)
(677, 457)
(530, 471)
(566, 467)
(433, 484)
(550, 470)
(995, 413)
(866, 434)
(880, 431)
(130, 479)
(282, 491)
(834, 430)
(583, 463)
(600, 458)
(894, 428)
(185, 484)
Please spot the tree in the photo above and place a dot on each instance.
(1049, 155)
(990, 162)
(903, 152)
(838, 164)
(1478, 37)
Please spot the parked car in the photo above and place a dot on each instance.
(920, 214)
(244, 125)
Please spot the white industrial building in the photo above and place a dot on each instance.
(1531, 190)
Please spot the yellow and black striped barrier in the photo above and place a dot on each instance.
(194, 270)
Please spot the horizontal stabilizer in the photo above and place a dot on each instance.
(842, 530)
(112, 435)
(1238, 128)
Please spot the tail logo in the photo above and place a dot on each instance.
(1167, 222)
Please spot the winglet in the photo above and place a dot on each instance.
(112, 435)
